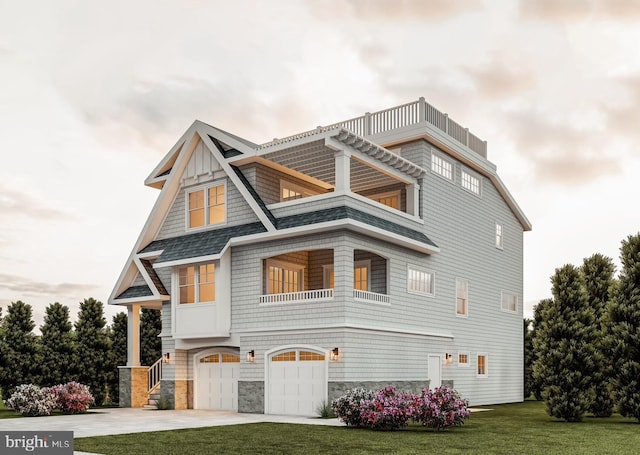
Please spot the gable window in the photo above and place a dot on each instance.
(197, 283)
(499, 236)
(483, 368)
(509, 302)
(470, 182)
(441, 166)
(462, 297)
(420, 281)
(361, 276)
(463, 359)
(284, 277)
(390, 199)
(206, 206)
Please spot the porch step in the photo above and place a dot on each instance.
(154, 398)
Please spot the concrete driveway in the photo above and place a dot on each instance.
(102, 422)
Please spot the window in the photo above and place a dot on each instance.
(290, 191)
(441, 166)
(283, 277)
(509, 302)
(463, 359)
(309, 356)
(470, 182)
(483, 369)
(390, 199)
(499, 236)
(361, 275)
(462, 297)
(420, 281)
(197, 283)
(206, 206)
(289, 356)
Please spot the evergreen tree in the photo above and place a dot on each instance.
(117, 334)
(57, 345)
(565, 346)
(624, 337)
(528, 358)
(19, 346)
(150, 342)
(537, 382)
(598, 273)
(93, 347)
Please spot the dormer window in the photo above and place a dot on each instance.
(206, 206)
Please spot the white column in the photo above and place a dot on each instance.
(133, 335)
(343, 171)
(413, 199)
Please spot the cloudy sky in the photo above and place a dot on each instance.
(93, 94)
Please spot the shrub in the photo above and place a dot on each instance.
(31, 401)
(388, 410)
(72, 397)
(164, 404)
(440, 408)
(347, 407)
(325, 411)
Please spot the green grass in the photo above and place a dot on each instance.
(522, 428)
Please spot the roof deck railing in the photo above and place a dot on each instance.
(398, 117)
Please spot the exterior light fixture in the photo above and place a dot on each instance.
(251, 356)
(166, 358)
(334, 354)
(448, 358)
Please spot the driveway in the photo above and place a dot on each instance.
(101, 422)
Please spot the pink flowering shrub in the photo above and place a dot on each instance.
(72, 397)
(31, 401)
(440, 408)
(388, 409)
(347, 407)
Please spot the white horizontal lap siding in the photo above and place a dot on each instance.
(166, 318)
(463, 226)
(165, 277)
(169, 369)
(371, 356)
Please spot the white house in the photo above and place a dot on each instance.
(379, 250)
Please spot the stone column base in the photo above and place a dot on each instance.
(134, 392)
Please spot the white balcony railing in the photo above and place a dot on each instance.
(398, 117)
(370, 297)
(314, 295)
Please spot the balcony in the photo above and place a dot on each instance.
(314, 295)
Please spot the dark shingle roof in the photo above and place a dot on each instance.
(201, 243)
(339, 213)
(136, 291)
(254, 194)
(154, 277)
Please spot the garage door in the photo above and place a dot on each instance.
(297, 382)
(217, 381)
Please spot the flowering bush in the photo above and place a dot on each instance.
(31, 401)
(440, 408)
(347, 407)
(72, 397)
(388, 409)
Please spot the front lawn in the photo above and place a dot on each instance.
(522, 428)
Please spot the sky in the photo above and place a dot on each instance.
(94, 94)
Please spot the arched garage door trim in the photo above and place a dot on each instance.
(197, 387)
(323, 392)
